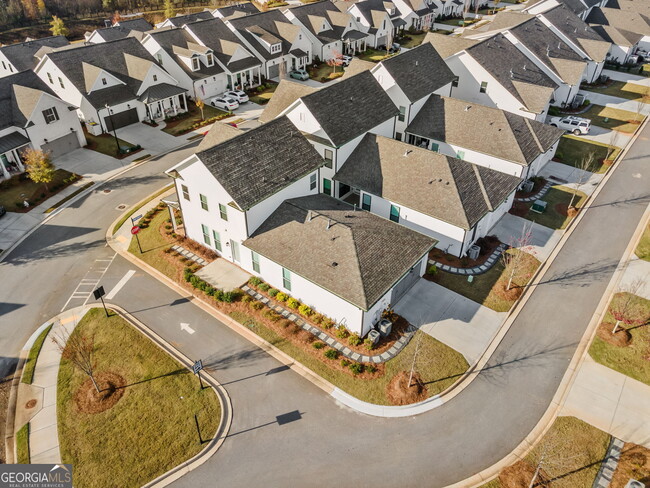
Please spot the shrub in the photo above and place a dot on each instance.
(318, 345)
(328, 323)
(247, 298)
(432, 270)
(354, 339)
(264, 286)
(273, 292)
(342, 332)
(230, 296)
(218, 295)
(371, 368)
(356, 368)
(187, 274)
(305, 310)
(272, 315)
(317, 318)
(255, 281)
(331, 354)
(345, 363)
(257, 305)
(369, 344)
(281, 297)
(293, 303)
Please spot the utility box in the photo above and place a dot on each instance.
(385, 327)
(528, 186)
(374, 336)
(539, 206)
(473, 251)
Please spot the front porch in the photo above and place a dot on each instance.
(299, 59)
(244, 79)
(164, 101)
(354, 42)
(11, 146)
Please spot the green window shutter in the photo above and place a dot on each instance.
(435, 146)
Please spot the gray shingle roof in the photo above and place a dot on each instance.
(140, 24)
(495, 132)
(419, 71)
(285, 94)
(218, 133)
(623, 19)
(160, 92)
(246, 8)
(440, 186)
(351, 107)
(447, 46)
(258, 163)
(13, 107)
(181, 20)
(311, 15)
(359, 258)
(21, 55)
(272, 24)
(578, 31)
(12, 141)
(618, 36)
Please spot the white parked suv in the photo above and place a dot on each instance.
(225, 103)
(577, 125)
(238, 95)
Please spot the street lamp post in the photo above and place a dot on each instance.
(110, 116)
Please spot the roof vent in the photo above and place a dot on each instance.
(407, 152)
(416, 62)
(559, 44)
(467, 107)
(431, 182)
(309, 216)
(329, 224)
(354, 208)
(512, 75)
(335, 264)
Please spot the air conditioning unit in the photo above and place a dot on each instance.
(473, 251)
(374, 336)
(527, 186)
(385, 327)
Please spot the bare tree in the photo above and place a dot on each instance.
(585, 167)
(512, 261)
(418, 343)
(79, 349)
(546, 457)
(625, 306)
(642, 101)
(613, 140)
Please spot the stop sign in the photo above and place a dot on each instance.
(135, 229)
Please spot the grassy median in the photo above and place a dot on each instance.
(30, 364)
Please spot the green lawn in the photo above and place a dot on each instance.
(151, 429)
(613, 118)
(489, 289)
(373, 55)
(572, 149)
(105, 144)
(454, 22)
(555, 216)
(19, 188)
(138, 206)
(30, 363)
(438, 365)
(262, 98)
(153, 247)
(631, 360)
(325, 71)
(643, 249)
(185, 121)
(22, 445)
(630, 91)
(414, 41)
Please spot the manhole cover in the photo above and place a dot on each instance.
(107, 191)
(121, 207)
(30, 404)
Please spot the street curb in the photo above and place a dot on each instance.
(544, 424)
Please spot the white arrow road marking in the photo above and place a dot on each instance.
(187, 328)
(120, 284)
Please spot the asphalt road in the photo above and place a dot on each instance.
(287, 432)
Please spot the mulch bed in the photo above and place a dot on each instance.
(622, 338)
(88, 400)
(35, 198)
(634, 463)
(399, 392)
(539, 184)
(450, 260)
(520, 474)
(519, 209)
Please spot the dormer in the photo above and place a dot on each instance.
(276, 48)
(272, 43)
(390, 8)
(191, 59)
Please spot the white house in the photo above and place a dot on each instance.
(22, 56)
(495, 73)
(410, 78)
(279, 45)
(381, 20)
(496, 139)
(633, 20)
(120, 30)
(453, 201)
(114, 84)
(32, 116)
(419, 14)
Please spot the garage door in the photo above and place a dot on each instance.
(62, 145)
(274, 71)
(381, 41)
(406, 283)
(122, 119)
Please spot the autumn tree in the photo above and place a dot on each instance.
(58, 28)
(200, 105)
(170, 11)
(79, 349)
(626, 307)
(42, 10)
(116, 17)
(336, 60)
(514, 259)
(39, 166)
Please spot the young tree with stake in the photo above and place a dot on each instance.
(625, 306)
(585, 166)
(39, 166)
(79, 349)
(200, 105)
(512, 261)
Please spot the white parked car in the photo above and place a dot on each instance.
(345, 60)
(225, 103)
(577, 125)
(237, 95)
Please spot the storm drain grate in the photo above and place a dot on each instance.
(121, 207)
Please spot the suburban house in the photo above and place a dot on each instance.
(31, 115)
(113, 84)
(544, 48)
(624, 42)
(330, 31)
(627, 20)
(498, 140)
(410, 78)
(336, 128)
(495, 73)
(453, 201)
(418, 14)
(240, 66)
(120, 30)
(22, 56)
(280, 45)
(181, 20)
(193, 65)
(285, 95)
(579, 8)
(381, 20)
(236, 10)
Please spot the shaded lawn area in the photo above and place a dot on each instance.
(634, 463)
(373, 55)
(262, 98)
(150, 429)
(414, 41)
(620, 89)
(32, 357)
(154, 245)
(105, 144)
(184, 122)
(325, 71)
(19, 188)
(613, 118)
(438, 365)
(489, 289)
(22, 445)
(572, 149)
(643, 249)
(631, 360)
(571, 453)
(556, 214)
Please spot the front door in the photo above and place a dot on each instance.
(343, 190)
(327, 186)
(235, 250)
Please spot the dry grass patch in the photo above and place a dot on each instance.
(634, 463)
(643, 249)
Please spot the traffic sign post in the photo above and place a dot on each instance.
(196, 369)
(134, 230)
(99, 295)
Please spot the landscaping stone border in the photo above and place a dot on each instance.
(543, 191)
(331, 341)
(476, 270)
(609, 465)
(189, 255)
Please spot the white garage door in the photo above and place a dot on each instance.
(62, 145)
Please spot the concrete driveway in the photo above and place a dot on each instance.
(543, 239)
(454, 320)
(88, 163)
(569, 176)
(152, 139)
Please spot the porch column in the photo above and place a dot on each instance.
(19, 161)
(5, 173)
(173, 102)
(172, 217)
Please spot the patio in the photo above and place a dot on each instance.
(10, 160)
(224, 275)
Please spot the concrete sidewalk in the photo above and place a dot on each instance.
(610, 401)
(637, 269)
(556, 172)
(615, 102)
(627, 77)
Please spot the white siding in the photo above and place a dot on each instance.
(67, 120)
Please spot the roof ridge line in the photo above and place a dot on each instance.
(482, 187)
(532, 132)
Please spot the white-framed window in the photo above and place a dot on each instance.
(217, 240)
(159, 58)
(483, 88)
(155, 77)
(328, 157)
(255, 258)
(402, 114)
(50, 115)
(186, 192)
(286, 279)
(276, 48)
(49, 77)
(195, 64)
(206, 234)
(61, 82)
(204, 201)
(104, 82)
(223, 212)
(312, 181)
(210, 59)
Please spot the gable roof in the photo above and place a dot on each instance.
(22, 55)
(139, 24)
(630, 20)
(612, 34)
(217, 134)
(181, 20)
(244, 8)
(258, 163)
(312, 16)
(19, 94)
(514, 71)
(355, 255)
(495, 132)
(357, 66)
(445, 188)
(447, 46)
(419, 71)
(272, 26)
(284, 96)
(351, 107)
